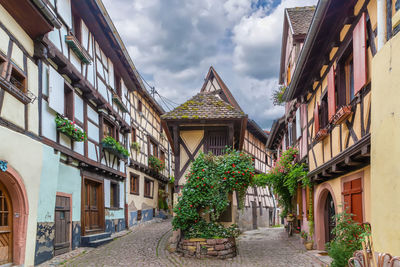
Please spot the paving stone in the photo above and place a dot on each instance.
(266, 247)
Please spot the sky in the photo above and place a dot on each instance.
(174, 42)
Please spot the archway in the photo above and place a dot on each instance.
(325, 206)
(13, 184)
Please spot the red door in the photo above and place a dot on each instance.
(352, 193)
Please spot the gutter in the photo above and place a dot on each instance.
(48, 13)
(308, 44)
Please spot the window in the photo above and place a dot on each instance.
(3, 66)
(140, 106)
(290, 134)
(134, 184)
(114, 196)
(323, 112)
(344, 86)
(117, 81)
(108, 129)
(133, 135)
(148, 188)
(153, 149)
(162, 156)
(17, 79)
(216, 142)
(76, 27)
(69, 102)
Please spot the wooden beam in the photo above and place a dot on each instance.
(348, 161)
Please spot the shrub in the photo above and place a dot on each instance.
(277, 96)
(206, 192)
(348, 239)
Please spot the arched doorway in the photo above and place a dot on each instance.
(13, 191)
(329, 218)
(6, 248)
(325, 209)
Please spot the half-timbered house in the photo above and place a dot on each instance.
(209, 122)
(148, 187)
(88, 80)
(331, 83)
(290, 130)
(21, 152)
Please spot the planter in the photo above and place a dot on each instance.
(112, 150)
(341, 115)
(309, 245)
(222, 248)
(322, 133)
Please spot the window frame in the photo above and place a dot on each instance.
(114, 196)
(134, 179)
(140, 106)
(152, 143)
(150, 182)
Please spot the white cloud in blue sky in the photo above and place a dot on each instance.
(174, 42)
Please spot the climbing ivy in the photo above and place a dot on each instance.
(206, 192)
(285, 177)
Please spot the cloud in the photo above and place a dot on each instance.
(174, 42)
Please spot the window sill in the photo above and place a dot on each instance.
(74, 44)
(21, 96)
(114, 208)
(341, 115)
(148, 197)
(134, 193)
(322, 133)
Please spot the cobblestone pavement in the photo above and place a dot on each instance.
(267, 247)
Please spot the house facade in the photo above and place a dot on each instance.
(209, 122)
(332, 85)
(78, 123)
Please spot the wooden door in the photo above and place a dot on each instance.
(92, 206)
(330, 221)
(62, 240)
(352, 193)
(254, 214)
(5, 227)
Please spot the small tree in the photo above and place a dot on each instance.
(206, 193)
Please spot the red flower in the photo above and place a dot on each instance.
(227, 171)
(198, 177)
(243, 174)
(212, 186)
(224, 178)
(203, 170)
(241, 154)
(197, 186)
(236, 183)
(76, 130)
(204, 184)
(191, 205)
(179, 208)
(195, 221)
(233, 165)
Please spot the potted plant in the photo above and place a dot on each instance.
(69, 128)
(135, 146)
(114, 147)
(156, 164)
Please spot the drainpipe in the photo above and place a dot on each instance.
(381, 23)
(48, 13)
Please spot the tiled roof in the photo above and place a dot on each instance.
(300, 18)
(204, 106)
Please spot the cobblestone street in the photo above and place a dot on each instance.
(145, 246)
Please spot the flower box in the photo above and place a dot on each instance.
(341, 115)
(322, 133)
(156, 164)
(110, 145)
(69, 128)
(117, 100)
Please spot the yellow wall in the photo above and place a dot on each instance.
(192, 139)
(385, 148)
(139, 202)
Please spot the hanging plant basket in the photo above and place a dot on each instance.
(110, 145)
(69, 128)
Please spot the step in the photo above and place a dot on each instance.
(87, 239)
(99, 242)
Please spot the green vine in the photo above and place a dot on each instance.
(205, 196)
(69, 128)
(285, 177)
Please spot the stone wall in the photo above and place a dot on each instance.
(208, 248)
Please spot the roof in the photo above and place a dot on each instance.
(274, 137)
(300, 19)
(227, 93)
(255, 129)
(204, 106)
(318, 43)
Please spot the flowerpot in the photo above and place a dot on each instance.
(309, 245)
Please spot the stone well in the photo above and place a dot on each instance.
(222, 248)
